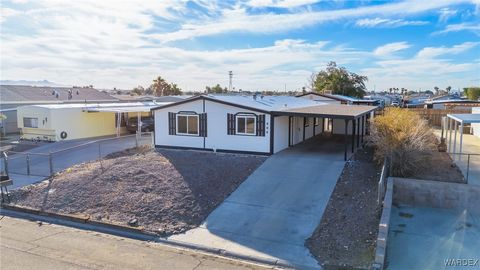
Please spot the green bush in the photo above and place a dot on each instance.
(472, 93)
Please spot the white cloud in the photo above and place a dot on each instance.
(280, 3)
(432, 52)
(237, 19)
(446, 13)
(81, 43)
(391, 48)
(386, 23)
(473, 27)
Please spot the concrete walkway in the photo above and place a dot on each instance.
(27, 245)
(277, 208)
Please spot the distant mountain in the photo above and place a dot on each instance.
(31, 83)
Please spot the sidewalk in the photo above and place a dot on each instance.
(29, 245)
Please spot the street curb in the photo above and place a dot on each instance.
(85, 223)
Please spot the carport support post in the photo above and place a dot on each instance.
(450, 125)
(358, 132)
(363, 127)
(455, 141)
(461, 141)
(447, 132)
(346, 140)
(353, 134)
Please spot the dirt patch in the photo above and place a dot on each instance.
(166, 191)
(346, 235)
(440, 167)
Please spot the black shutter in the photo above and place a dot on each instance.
(202, 125)
(172, 123)
(261, 125)
(230, 124)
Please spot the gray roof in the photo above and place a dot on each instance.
(26, 94)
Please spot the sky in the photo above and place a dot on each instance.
(268, 44)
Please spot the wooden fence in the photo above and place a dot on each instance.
(434, 116)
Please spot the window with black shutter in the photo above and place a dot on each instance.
(230, 124)
(172, 121)
(203, 125)
(261, 125)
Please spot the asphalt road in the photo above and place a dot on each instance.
(30, 245)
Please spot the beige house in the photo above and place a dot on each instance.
(55, 122)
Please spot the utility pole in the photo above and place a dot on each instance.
(230, 76)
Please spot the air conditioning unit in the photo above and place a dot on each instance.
(327, 92)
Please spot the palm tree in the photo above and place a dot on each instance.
(449, 88)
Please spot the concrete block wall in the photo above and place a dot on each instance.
(425, 193)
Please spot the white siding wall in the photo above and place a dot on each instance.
(476, 127)
(161, 126)
(281, 133)
(339, 126)
(217, 137)
(217, 130)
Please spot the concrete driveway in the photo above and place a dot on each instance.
(277, 208)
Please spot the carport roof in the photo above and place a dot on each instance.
(330, 111)
(465, 118)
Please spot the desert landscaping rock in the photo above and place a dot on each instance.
(166, 191)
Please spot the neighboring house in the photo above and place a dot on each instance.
(252, 124)
(339, 99)
(13, 96)
(55, 122)
(451, 104)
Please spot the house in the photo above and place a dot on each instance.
(253, 124)
(13, 96)
(451, 104)
(339, 99)
(55, 122)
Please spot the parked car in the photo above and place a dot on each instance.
(395, 104)
(146, 121)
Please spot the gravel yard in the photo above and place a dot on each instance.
(164, 191)
(345, 237)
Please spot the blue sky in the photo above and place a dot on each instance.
(268, 44)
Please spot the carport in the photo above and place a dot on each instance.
(456, 122)
(359, 115)
(121, 110)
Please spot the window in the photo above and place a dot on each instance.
(317, 121)
(30, 122)
(187, 124)
(246, 125)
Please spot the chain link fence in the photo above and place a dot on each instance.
(46, 164)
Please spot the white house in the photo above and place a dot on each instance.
(252, 124)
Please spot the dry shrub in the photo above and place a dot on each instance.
(404, 138)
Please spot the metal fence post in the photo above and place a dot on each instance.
(50, 161)
(5, 161)
(28, 164)
(136, 139)
(468, 166)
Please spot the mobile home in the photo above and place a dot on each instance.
(252, 124)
